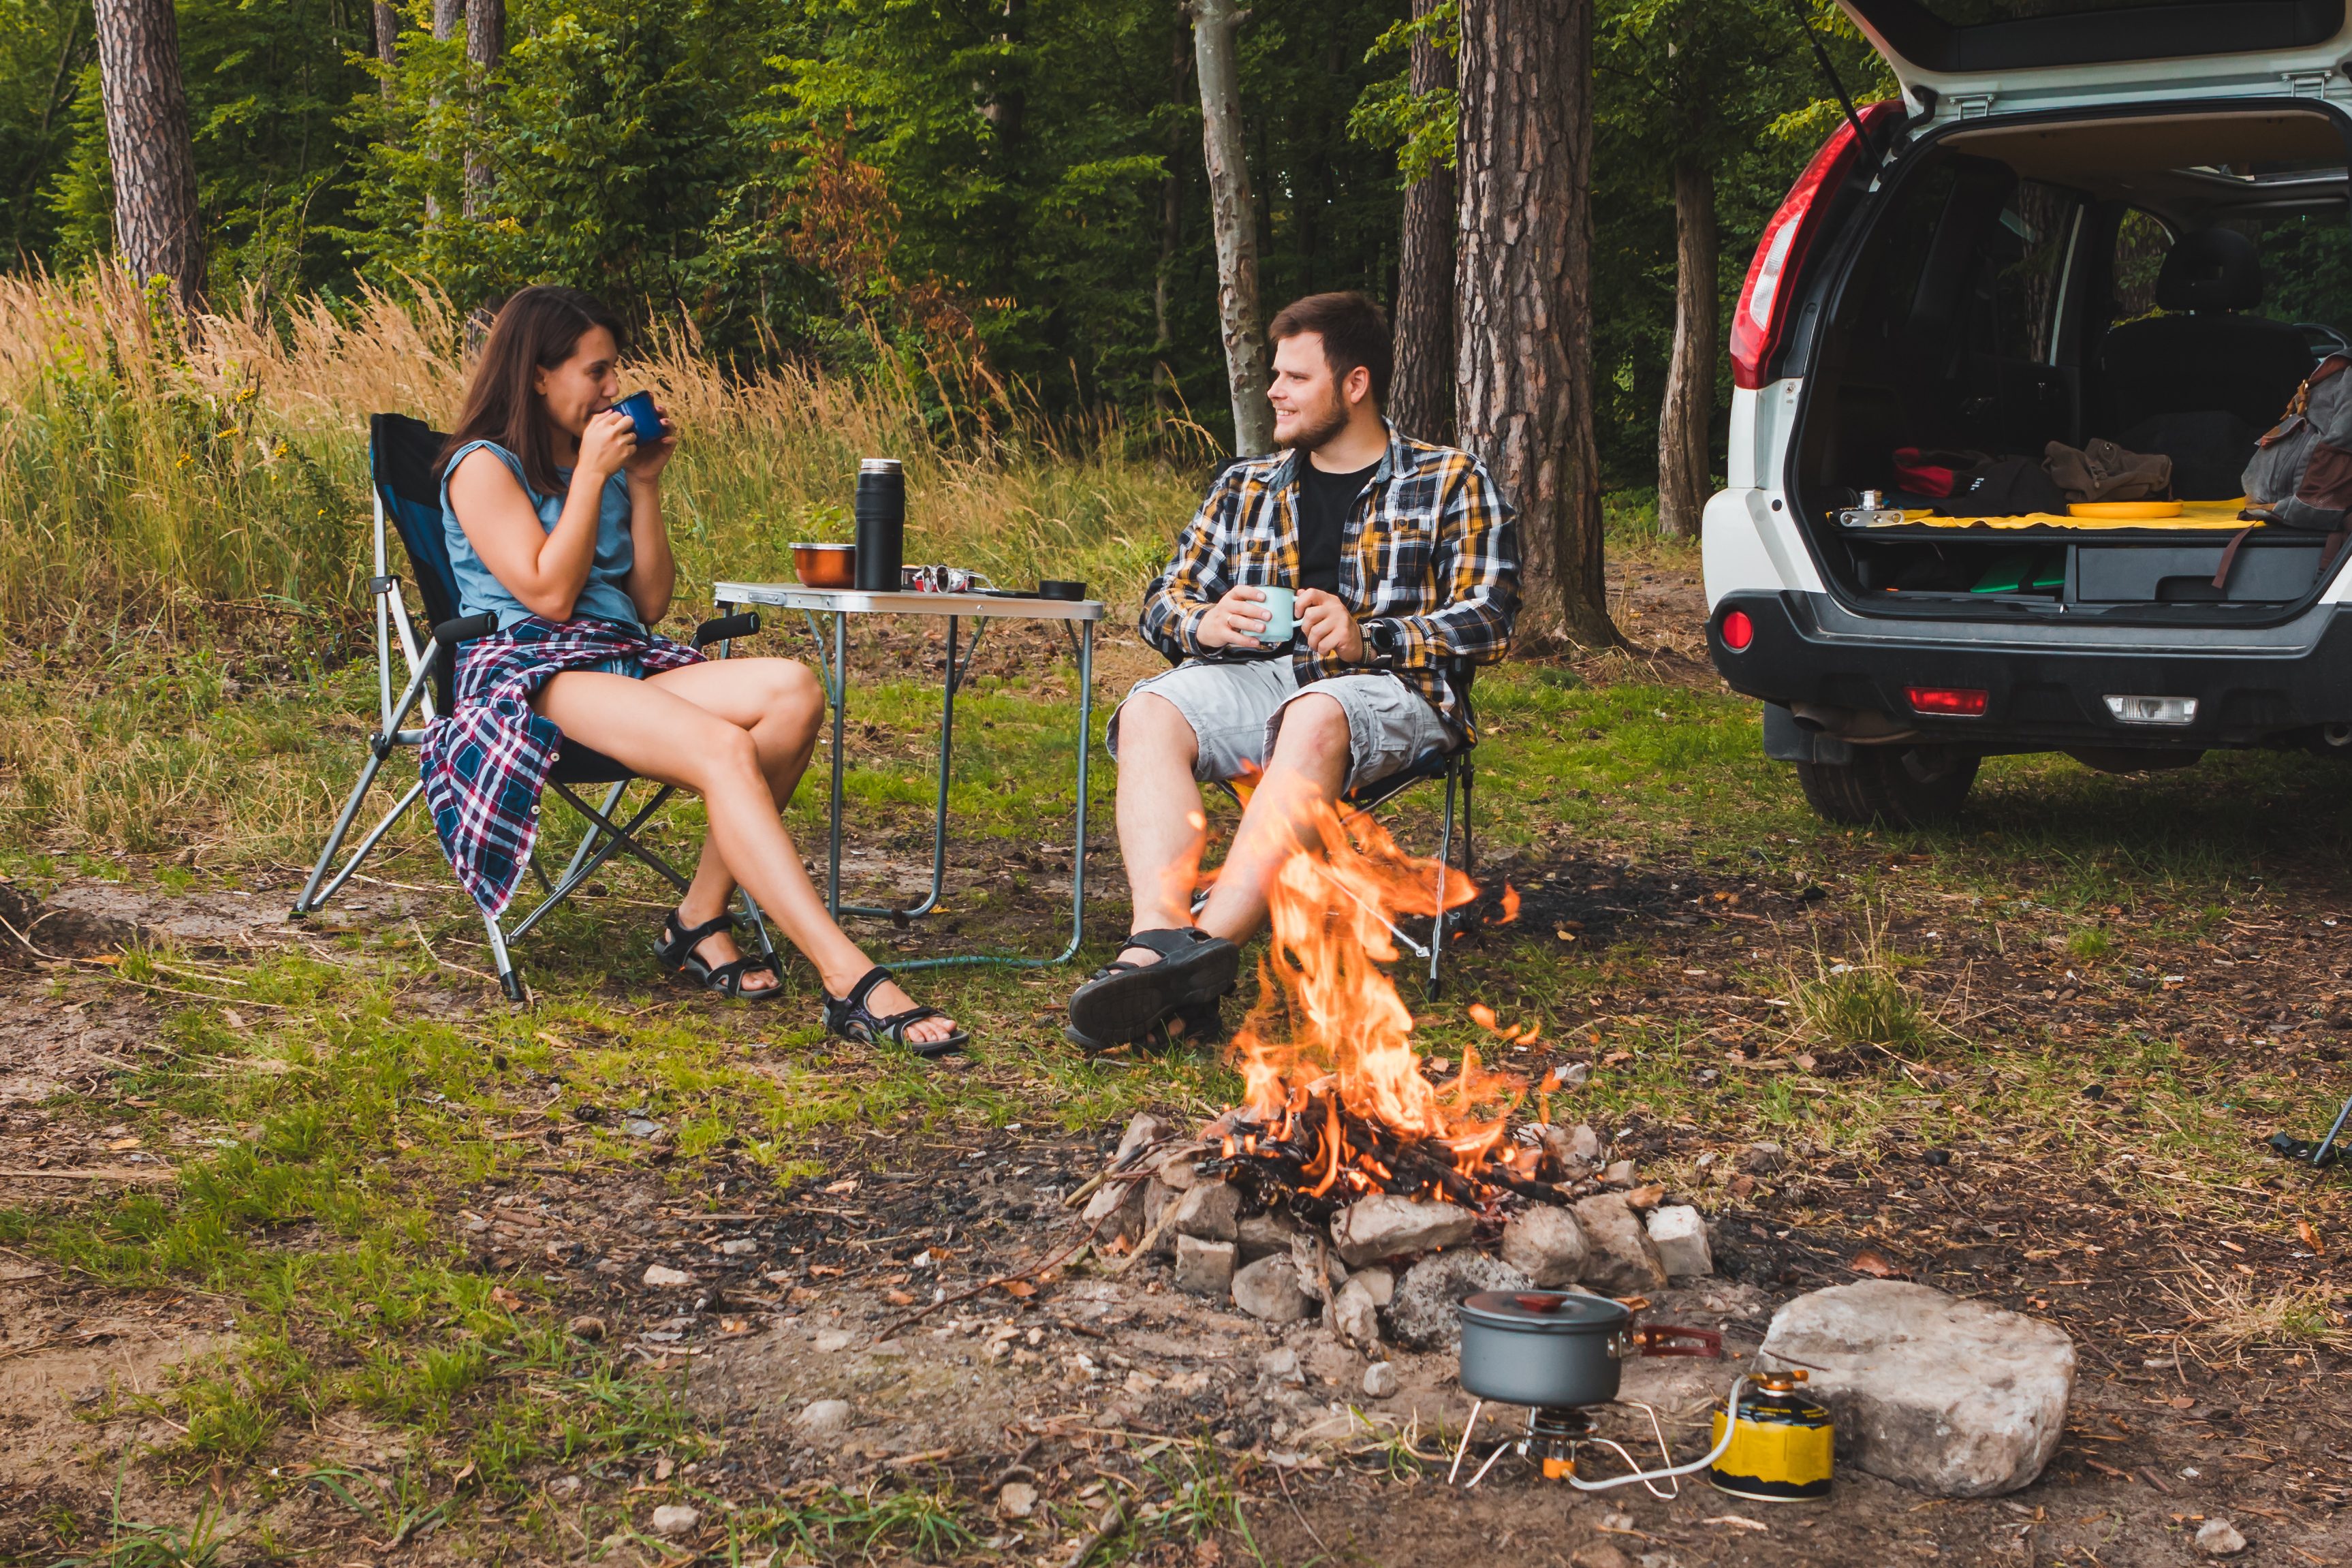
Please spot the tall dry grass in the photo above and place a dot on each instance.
(151, 472)
(180, 506)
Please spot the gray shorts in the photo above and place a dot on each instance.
(1236, 712)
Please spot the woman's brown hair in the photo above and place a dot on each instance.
(536, 329)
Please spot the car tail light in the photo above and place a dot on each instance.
(1737, 631)
(1951, 702)
(1759, 322)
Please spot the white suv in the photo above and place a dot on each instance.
(2083, 219)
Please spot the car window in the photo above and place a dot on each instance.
(2020, 287)
(2308, 270)
(2141, 243)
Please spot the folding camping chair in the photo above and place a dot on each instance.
(403, 459)
(1458, 768)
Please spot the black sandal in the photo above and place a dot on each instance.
(676, 949)
(1124, 1002)
(849, 1018)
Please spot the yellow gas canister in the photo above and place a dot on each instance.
(1780, 1452)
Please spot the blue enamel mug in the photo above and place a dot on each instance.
(639, 408)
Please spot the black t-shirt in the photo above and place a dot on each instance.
(1323, 502)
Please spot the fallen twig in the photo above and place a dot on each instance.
(100, 1173)
(1091, 1542)
(1284, 1482)
(1050, 1262)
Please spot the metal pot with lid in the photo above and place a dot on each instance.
(1548, 1348)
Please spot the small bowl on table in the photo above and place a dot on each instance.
(825, 565)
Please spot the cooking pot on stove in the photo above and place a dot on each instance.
(1548, 1349)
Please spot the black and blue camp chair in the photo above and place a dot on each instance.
(1458, 767)
(403, 465)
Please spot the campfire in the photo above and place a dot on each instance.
(1351, 1180)
(1335, 1105)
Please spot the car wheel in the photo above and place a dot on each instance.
(1902, 786)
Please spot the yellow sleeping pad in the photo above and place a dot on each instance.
(2093, 516)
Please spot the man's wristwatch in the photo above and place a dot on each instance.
(1383, 641)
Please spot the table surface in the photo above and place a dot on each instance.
(800, 597)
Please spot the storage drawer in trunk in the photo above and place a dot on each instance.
(2183, 573)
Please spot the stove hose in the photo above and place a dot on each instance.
(1731, 1427)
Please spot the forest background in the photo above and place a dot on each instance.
(1015, 186)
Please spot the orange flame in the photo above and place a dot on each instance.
(1329, 1015)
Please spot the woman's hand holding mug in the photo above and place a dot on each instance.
(608, 444)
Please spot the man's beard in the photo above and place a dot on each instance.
(1314, 433)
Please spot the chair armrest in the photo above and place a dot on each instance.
(725, 628)
(465, 628)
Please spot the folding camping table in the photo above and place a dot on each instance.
(1077, 617)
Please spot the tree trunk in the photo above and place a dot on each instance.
(387, 42)
(1524, 348)
(1233, 212)
(1171, 235)
(1684, 423)
(1421, 395)
(486, 34)
(155, 226)
(447, 16)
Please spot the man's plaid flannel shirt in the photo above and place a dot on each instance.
(1430, 548)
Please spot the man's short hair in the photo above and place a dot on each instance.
(1354, 331)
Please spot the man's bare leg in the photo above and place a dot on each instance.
(1309, 767)
(1162, 830)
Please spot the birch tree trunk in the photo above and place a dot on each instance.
(1685, 420)
(1420, 396)
(1234, 214)
(448, 15)
(387, 43)
(155, 225)
(1524, 349)
(486, 30)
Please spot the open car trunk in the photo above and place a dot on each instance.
(2161, 278)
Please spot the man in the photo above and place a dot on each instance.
(1403, 561)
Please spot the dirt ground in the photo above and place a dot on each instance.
(1098, 1390)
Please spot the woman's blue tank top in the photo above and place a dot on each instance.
(605, 594)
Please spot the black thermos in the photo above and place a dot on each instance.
(881, 525)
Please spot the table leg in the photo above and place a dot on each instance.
(840, 702)
(1085, 743)
(940, 813)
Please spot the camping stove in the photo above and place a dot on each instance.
(1560, 1353)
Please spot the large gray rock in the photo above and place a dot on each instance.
(1618, 1255)
(1204, 1268)
(1679, 1233)
(1384, 1226)
(1211, 1211)
(1355, 1307)
(1953, 1397)
(1422, 1316)
(1268, 1289)
(1142, 1129)
(1545, 1244)
(1264, 1235)
(1119, 1207)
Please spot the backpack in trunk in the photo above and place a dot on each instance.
(2301, 476)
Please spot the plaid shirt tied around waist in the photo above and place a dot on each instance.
(485, 765)
(1430, 548)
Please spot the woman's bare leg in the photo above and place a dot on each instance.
(651, 728)
(781, 704)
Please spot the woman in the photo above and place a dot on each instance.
(552, 510)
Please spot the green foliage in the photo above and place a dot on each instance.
(1421, 126)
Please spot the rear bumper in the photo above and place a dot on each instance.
(2045, 685)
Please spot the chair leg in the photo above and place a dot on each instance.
(1469, 842)
(308, 900)
(1444, 861)
(509, 978)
